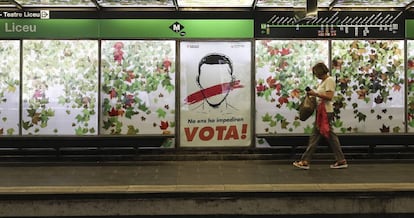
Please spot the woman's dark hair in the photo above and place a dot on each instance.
(320, 69)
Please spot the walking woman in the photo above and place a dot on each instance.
(323, 124)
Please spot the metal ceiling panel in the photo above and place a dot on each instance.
(268, 4)
(6, 3)
(136, 3)
(282, 3)
(215, 3)
(55, 3)
(325, 3)
(372, 3)
(339, 3)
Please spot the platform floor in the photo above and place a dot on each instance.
(228, 187)
(240, 175)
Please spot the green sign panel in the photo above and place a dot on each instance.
(156, 28)
(123, 28)
(409, 29)
(49, 29)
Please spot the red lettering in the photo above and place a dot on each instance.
(232, 133)
(190, 135)
(220, 132)
(209, 131)
(223, 133)
(244, 131)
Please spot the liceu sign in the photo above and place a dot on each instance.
(31, 28)
(48, 29)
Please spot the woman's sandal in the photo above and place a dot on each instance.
(301, 164)
(340, 165)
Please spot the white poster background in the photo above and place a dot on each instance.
(221, 119)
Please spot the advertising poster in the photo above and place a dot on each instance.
(215, 99)
(370, 83)
(138, 90)
(283, 71)
(60, 88)
(9, 87)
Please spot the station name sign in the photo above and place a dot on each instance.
(48, 28)
(36, 28)
(13, 27)
(42, 14)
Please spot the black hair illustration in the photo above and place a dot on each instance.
(215, 59)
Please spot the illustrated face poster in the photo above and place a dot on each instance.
(215, 99)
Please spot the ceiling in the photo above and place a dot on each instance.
(178, 5)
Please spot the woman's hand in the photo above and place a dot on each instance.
(312, 93)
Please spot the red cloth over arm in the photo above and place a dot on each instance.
(322, 120)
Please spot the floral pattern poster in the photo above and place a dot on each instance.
(138, 87)
(60, 88)
(370, 86)
(9, 87)
(215, 100)
(283, 71)
(370, 79)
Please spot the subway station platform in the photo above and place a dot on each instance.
(208, 188)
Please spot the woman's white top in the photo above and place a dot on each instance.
(327, 85)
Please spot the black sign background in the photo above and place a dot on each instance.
(331, 24)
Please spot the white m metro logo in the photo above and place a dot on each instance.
(176, 27)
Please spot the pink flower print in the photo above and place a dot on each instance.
(38, 94)
(285, 51)
(261, 88)
(167, 64)
(118, 56)
(119, 45)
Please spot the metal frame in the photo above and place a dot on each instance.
(175, 7)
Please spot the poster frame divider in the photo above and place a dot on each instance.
(253, 94)
(177, 94)
(406, 85)
(99, 115)
(330, 57)
(20, 87)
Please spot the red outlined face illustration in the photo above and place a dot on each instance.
(215, 79)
